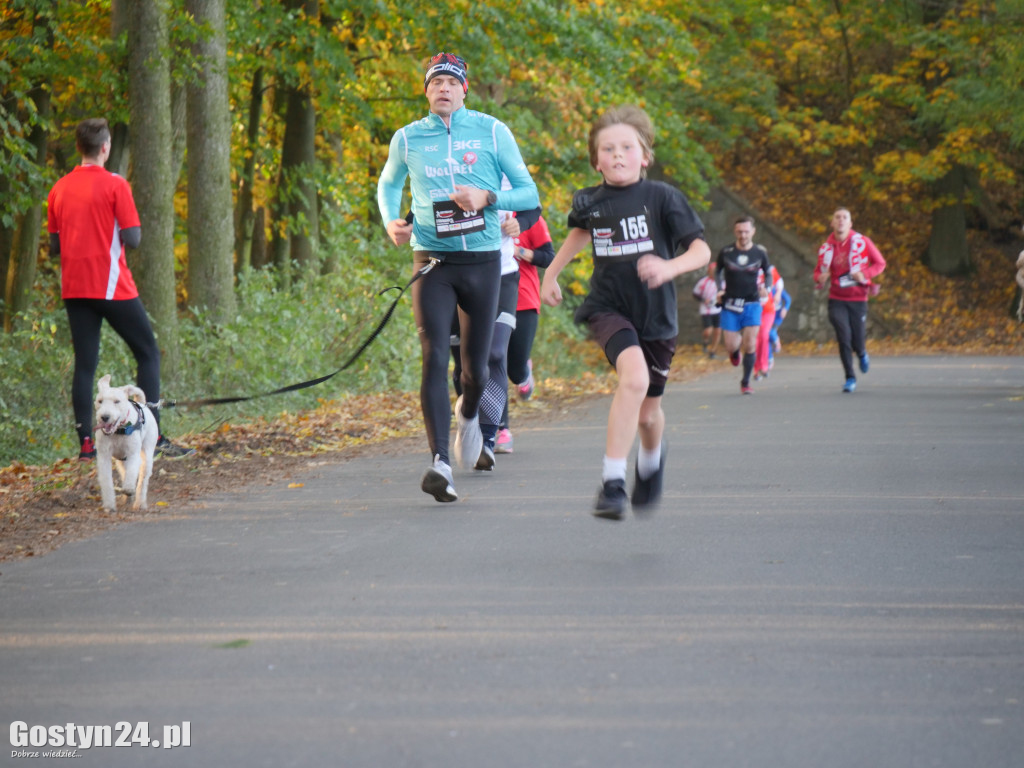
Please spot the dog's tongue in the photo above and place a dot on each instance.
(108, 429)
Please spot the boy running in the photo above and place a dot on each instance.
(635, 227)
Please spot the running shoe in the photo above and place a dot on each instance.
(486, 461)
(469, 442)
(526, 388)
(165, 449)
(734, 357)
(437, 481)
(746, 389)
(611, 500)
(850, 385)
(88, 450)
(504, 442)
(647, 492)
(865, 363)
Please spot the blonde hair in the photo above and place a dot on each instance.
(630, 115)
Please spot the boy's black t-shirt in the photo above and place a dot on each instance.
(625, 223)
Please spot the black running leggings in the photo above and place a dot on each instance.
(520, 347)
(473, 288)
(129, 320)
(849, 320)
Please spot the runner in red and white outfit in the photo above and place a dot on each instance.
(533, 250)
(848, 262)
(91, 218)
(706, 292)
(770, 302)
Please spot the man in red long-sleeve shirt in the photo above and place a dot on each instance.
(847, 263)
(91, 218)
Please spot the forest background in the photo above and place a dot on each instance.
(253, 134)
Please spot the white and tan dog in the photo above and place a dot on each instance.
(126, 431)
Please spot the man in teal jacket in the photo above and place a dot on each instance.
(454, 159)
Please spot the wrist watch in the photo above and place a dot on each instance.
(492, 197)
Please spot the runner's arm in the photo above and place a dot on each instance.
(131, 236)
(523, 196)
(656, 271)
(575, 241)
(392, 181)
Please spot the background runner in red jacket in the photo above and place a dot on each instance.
(847, 263)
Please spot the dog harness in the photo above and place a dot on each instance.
(128, 429)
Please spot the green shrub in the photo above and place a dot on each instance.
(279, 337)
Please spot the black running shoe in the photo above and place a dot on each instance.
(611, 500)
(165, 449)
(647, 493)
(486, 461)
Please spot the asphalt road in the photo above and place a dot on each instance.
(832, 580)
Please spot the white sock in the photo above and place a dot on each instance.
(613, 469)
(647, 462)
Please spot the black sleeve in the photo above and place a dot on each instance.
(580, 201)
(685, 224)
(543, 256)
(131, 236)
(687, 241)
(54, 244)
(527, 219)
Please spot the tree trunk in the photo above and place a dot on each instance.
(149, 93)
(179, 132)
(295, 217)
(120, 158)
(947, 251)
(210, 232)
(21, 275)
(22, 268)
(245, 215)
(24, 243)
(298, 161)
(296, 227)
(259, 238)
(6, 241)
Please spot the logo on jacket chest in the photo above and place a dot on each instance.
(453, 168)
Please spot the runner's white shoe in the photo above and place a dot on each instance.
(437, 481)
(469, 441)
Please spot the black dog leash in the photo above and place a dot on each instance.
(313, 382)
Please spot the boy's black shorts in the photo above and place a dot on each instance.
(615, 333)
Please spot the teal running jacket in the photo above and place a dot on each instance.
(476, 151)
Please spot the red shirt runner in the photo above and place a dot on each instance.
(88, 208)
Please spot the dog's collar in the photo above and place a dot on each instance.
(128, 429)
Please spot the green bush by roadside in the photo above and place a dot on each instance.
(278, 337)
